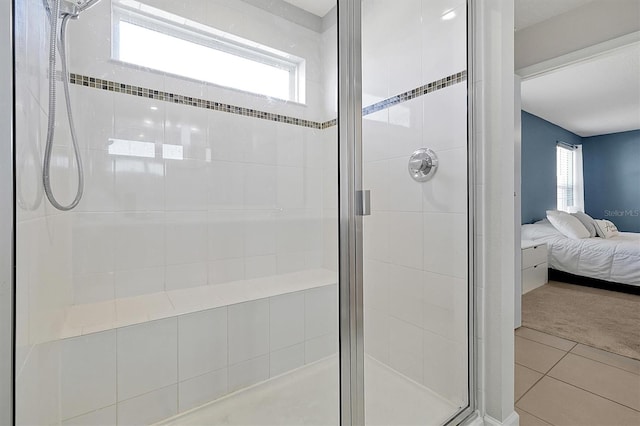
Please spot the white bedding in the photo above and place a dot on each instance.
(616, 259)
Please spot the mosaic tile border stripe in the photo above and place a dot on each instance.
(418, 91)
(112, 86)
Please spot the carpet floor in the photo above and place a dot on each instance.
(604, 319)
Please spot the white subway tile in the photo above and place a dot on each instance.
(202, 389)
(376, 235)
(449, 255)
(248, 330)
(102, 417)
(87, 256)
(376, 334)
(185, 276)
(202, 342)
(320, 347)
(291, 185)
(405, 349)
(259, 266)
(186, 185)
(259, 233)
(88, 373)
(226, 229)
(406, 239)
(227, 270)
(226, 185)
(248, 373)
(139, 240)
(377, 285)
(149, 408)
(260, 187)
(447, 190)
(287, 359)
(406, 294)
(137, 282)
(185, 237)
(147, 358)
(287, 324)
(139, 183)
(321, 311)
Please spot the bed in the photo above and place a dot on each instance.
(614, 260)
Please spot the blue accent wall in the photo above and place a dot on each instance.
(539, 138)
(612, 178)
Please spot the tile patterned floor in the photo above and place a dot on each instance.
(563, 383)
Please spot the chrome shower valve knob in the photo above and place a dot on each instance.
(423, 164)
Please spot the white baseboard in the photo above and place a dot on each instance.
(512, 420)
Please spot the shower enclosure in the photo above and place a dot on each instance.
(273, 220)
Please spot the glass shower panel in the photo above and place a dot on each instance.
(195, 282)
(415, 246)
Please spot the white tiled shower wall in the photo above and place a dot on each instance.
(415, 266)
(146, 225)
(144, 373)
(245, 201)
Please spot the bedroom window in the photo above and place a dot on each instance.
(161, 41)
(569, 180)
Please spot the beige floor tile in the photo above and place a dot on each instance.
(593, 376)
(535, 355)
(561, 404)
(546, 339)
(628, 364)
(525, 378)
(527, 419)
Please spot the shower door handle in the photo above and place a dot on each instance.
(363, 203)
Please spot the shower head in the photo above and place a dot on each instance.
(83, 5)
(75, 7)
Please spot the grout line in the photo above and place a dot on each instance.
(604, 363)
(593, 393)
(543, 374)
(530, 387)
(563, 350)
(568, 383)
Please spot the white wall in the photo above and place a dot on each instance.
(415, 241)
(493, 90)
(596, 22)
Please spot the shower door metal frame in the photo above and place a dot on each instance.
(7, 217)
(351, 325)
(350, 246)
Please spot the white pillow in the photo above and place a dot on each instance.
(587, 221)
(606, 228)
(567, 224)
(536, 231)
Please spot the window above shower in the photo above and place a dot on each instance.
(195, 51)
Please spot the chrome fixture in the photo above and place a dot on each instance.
(423, 164)
(62, 10)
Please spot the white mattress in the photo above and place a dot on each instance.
(616, 259)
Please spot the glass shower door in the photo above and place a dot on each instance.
(415, 239)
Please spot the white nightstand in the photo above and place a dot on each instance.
(534, 265)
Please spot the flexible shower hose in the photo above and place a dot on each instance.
(46, 169)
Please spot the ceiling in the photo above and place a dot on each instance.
(593, 97)
(317, 7)
(531, 12)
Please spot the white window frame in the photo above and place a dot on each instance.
(133, 12)
(573, 186)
